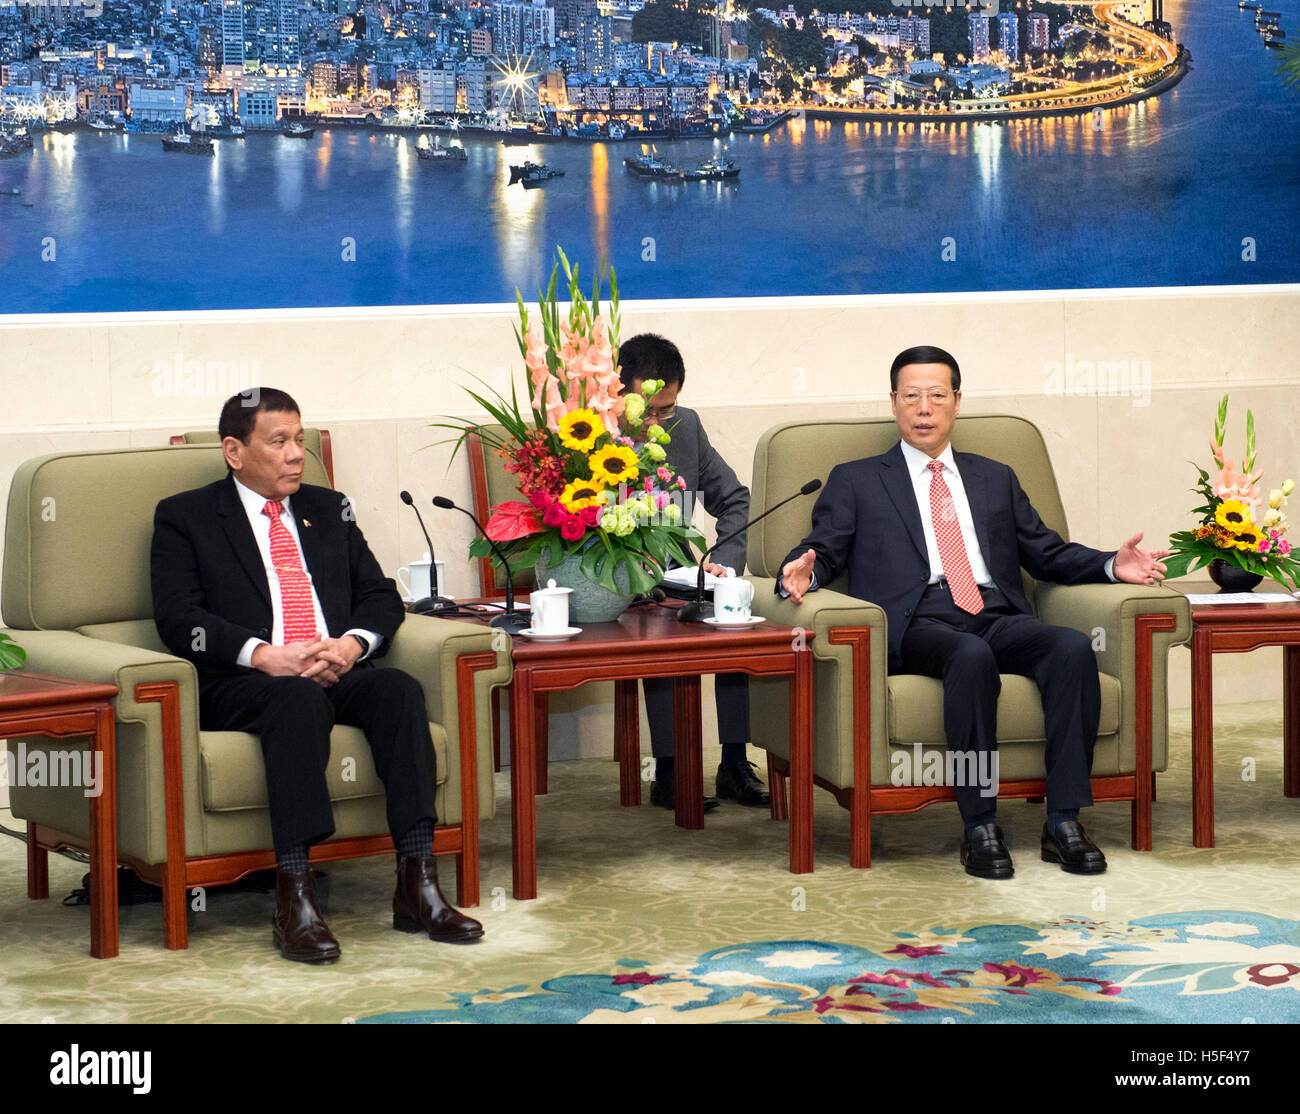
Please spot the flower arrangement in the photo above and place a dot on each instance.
(593, 476)
(1238, 524)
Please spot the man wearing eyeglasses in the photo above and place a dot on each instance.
(938, 539)
(713, 482)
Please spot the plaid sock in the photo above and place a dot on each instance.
(292, 860)
(417, 841)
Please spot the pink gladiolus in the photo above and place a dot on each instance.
(1217, 450)
(511, 521)
(663, 474)
(572, 528)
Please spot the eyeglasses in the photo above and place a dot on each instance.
(937, 397)
(660, 413)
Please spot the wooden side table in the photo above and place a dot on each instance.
(1235, 629)
(649, 642)
(61, 708)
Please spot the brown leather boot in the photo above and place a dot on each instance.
(418, 905)
(298, 929)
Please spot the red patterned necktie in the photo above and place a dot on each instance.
(295, 587)
(952, 547)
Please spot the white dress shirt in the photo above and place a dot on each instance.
(254, 505)
(918, 467)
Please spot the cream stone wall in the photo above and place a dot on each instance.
(377, 379)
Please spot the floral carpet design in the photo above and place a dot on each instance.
(1218, 966)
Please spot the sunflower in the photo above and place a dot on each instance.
(1248, 538)
(582, 493)
(613, 464)
(579, 429)
(1234, 515)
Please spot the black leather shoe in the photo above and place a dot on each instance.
(663, 792)
(1071, 847)
(418, 905)
(740, 784)
(983, 853)
(297, 928)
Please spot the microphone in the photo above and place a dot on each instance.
(432, 604)
(700, 609)
(510, 620)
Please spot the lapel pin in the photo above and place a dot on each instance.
(306, 521)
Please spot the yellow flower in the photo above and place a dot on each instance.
(613, 464)
(1247, 539)
(579, 429)
(1234, 515)
(582, 493)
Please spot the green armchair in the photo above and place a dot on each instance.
(868, 724)
(192, 804)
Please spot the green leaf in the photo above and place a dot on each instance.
(12, 656)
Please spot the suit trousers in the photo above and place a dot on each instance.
(731, 695)
(292, 718)
(968, 652)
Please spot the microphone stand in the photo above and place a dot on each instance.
(510, 620)
(699, 608)
(433, 604)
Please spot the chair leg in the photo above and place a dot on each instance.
(1153, 785)
(176, 929)
(776, 791)
(460, 878)
(496, 730)
(38, 866)
(860, 827)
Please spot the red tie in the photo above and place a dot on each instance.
(295, 587)
(952, 548)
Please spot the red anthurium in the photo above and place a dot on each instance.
(512, 520)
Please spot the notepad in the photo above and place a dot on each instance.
(1240, 597)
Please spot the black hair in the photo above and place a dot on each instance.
(239, 415)
(650, 356)
(924, 354)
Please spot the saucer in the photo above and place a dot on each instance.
(561, 635)
(723, 623)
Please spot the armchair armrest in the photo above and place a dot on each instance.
(141, 759)
(851, 709)
(429, 649)
(1120, 618)
(1106, 613)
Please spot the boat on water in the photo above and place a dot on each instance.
(1248, 5)
(100, 124)
(539, 176)
(298, 130)
(1276, 39)
(714, 170)
(518, 170)
(11, 191)
(188, 143)
(226, 129)
(15, 143)
(452, 154)
(652, 168)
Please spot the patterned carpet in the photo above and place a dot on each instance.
(640, 921)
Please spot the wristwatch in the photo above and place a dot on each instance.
(365, 646)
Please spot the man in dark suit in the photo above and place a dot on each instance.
(267, 585)
(938, 539)
(711, 480)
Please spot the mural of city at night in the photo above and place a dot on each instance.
(238, 154)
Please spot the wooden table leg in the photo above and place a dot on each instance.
(1202, 739)
(541, 739)
(523, 787)
(627, 742)
(1291, 720)
(103, 840)
(38, 866)
(801, 774)
(688, 752)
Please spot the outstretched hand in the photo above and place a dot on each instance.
(796, 575)
(1139, 566)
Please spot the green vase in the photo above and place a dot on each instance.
(590, 602)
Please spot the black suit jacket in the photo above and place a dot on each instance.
(867, 521)
(712, 480)
(210, 590)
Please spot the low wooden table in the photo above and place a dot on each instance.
(38, 704)
(1234, 629)
(647, 641)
